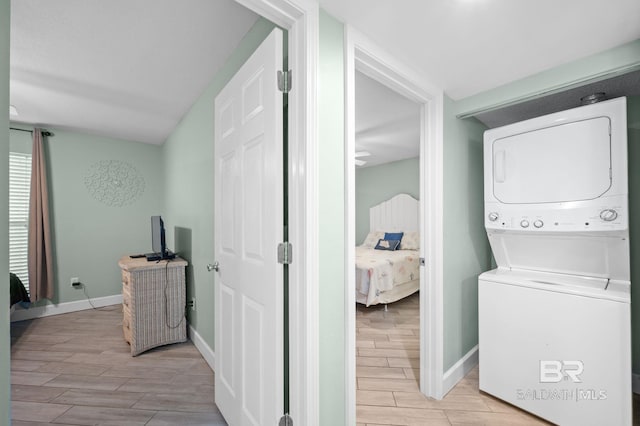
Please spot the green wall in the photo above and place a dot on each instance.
(5, 343)
(633, 121)
(379, 183)
(466, 248)
(20, 141)
(331, 181)
(89, 236)
(187, 158)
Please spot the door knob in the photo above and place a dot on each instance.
(215, 266)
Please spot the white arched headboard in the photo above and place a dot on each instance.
(400, 213)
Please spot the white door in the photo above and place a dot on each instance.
(248, 228)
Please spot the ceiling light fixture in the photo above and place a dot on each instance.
(358, 154)
(13, 111)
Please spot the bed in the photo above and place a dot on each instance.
(389, 273)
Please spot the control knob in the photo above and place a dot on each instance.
(538, 224)
(493, 216)
(608, 215)
(524, 223)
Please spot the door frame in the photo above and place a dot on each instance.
(300, 19)
(364, 55)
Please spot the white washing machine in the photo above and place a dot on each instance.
(554, 316)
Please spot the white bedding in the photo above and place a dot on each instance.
(379, 271)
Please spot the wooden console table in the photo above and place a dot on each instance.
(153, 302)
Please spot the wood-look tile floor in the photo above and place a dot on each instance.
(76, 369)
(387, 375)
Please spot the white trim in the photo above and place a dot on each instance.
(635, 380)
(460, 369)
(300, 19)
(205, 350)
(21, 314)
(368, 58)
(350, 224)
(432, 298)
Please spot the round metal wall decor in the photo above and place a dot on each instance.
(114, 183)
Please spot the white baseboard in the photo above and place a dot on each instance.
(21, 314)
(460, 369)
(205, 350)
(635, 381)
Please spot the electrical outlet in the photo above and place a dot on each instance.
(75, 282)
(191, 304)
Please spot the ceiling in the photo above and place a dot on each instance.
(387, 124)
(470, 46)
(127, 69)
(131, 69)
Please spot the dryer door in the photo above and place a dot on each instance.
(566, 162)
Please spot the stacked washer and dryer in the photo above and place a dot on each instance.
(554, 316)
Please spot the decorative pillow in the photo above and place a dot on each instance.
(372, 239)
(410, 241)
(393, 236)
(391, 245)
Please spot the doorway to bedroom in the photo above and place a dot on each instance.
(387, 253)
(402, 355)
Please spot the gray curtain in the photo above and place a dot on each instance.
(39, 259)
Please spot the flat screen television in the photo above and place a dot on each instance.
(158, 242)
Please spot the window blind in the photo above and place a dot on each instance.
(19, 189)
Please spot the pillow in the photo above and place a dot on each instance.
(372, 239)
(391, 245)
(393, 236)
(410, 241)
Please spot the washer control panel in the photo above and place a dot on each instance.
(566, 217)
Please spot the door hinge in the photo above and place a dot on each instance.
(284, 81)
(285, 252)
(422, 261)
(285, 420)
